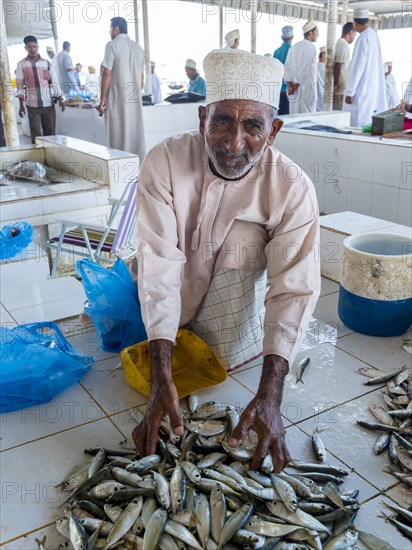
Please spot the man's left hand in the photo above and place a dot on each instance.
(348, 100)
(263, 416)
(62, 105)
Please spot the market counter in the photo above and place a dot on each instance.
(160, 122)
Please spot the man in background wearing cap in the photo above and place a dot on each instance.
(281, 54)
(121, 96)
(341, 64)
(365, 92)
(226, 224)
(301, 72)
(53, 60)
(390, 84)
(50, 52)
(197, 84)
(232, 40)
(156, 91)
(92, 82)
(320, 84)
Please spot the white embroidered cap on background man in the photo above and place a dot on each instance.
(287, 32)
(361, 13)
(309, 26)
(191, 64)
(231, 37)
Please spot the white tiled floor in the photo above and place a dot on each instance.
(40, 445)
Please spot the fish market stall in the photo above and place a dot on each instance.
(61, 177)
(370, 175)
(366, 174)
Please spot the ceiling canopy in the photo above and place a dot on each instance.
(384, 14)
(23, 17)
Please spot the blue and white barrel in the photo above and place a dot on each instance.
(375, 293)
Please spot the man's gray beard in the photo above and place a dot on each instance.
(233, 174)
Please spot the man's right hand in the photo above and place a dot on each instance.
(163, 401)
(102, 106)
(22, 111)
(292, 87)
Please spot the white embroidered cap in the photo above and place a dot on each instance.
(322, 49)
(190, 64)
(361, 13)
(309, 26)
(287, 32)
(231, 37)
(237, 74)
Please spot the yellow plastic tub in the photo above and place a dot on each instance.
(194, 365)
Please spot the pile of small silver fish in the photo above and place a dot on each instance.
(197, 492)
(394, 420)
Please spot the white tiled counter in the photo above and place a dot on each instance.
(89, 177)
(365, 174)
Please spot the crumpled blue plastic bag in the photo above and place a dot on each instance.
(113, 304)
(15, 238)
(35, 365)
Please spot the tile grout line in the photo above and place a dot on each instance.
(104, 410)
(352, 355)
(104, 417)
(334, 406)
(240, 383)
(28, 533)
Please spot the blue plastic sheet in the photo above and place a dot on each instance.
(113, 304)
(15, 238)
(36, 363)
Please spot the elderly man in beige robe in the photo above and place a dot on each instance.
(228, 227)
(120, 97)
(301, 72)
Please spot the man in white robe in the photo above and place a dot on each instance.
(391, 91)
(365, 92)
(156, 90)
(120, 97)
(301, 72)
(217, 208)
(320, 85)
(341, 64)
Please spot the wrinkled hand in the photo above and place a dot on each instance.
(163, 401)
(348, 100)
(263, 416)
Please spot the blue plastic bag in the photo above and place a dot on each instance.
(36, 365)
(113, 304)
(15, 238)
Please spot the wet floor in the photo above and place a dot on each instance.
(40, 445)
